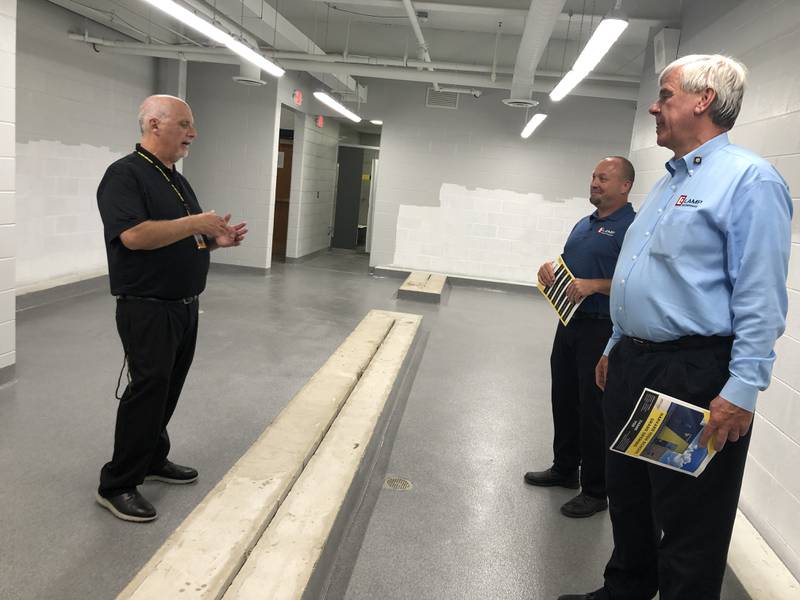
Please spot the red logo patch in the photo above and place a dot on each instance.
(681, 200)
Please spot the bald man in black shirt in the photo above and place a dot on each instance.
(158, 241)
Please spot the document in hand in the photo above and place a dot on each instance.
(666, 431)
(556, 294)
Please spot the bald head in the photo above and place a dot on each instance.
(611, 182)
(159, 106)
(167, 127)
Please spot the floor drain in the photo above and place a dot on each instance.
(397, 484)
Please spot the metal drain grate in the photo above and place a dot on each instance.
(397, 484)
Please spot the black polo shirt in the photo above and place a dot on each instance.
(592, 249)
(133, 191)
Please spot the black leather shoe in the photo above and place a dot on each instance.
(582, 506)
(128, 506)
(169, 472)
(550, 478)
(596, 595)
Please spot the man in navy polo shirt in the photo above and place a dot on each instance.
(591, 254)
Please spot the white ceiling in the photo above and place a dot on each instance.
(458, 31)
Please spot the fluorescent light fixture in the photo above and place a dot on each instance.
(566, 85)
(537, 120)
(607, 32)
(376, 122)
(208, 29)
(328, 101)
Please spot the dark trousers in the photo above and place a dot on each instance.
(671, 530)
(578, 438)
(159, 340)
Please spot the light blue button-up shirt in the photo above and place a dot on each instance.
(707, 255)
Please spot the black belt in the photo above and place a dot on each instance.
(187, 300)
(590, 315)
(689, 342)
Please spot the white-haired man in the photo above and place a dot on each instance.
(698, 299)
(157, 242)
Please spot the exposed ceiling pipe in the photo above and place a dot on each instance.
(423, 46)
(597, 90)
(539, 25)
(217, 55)
(489, 11)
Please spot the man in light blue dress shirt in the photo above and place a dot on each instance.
(698, 299)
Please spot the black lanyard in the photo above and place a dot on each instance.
(201, 243)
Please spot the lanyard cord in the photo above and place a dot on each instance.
(197, 237)
(169, 181)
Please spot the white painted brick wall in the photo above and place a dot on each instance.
(76, 115)
(483, 233)
(8, 28)
(766, 37)
(471, 165)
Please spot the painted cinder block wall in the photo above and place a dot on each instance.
(232, 163)
(766, 37)
(8, 28)
(312, 194)
(503, 204)
(76, 114)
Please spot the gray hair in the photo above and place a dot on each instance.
(722, 74)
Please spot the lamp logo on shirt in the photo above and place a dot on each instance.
(606, 231)
(684, 200)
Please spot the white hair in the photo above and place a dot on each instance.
(720, 73)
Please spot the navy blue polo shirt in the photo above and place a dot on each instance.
(592, 249)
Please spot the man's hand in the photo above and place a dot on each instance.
(728, 423)
(546, 274)
(579, 289)
(233, 236)
(600, 372)
(210, 224)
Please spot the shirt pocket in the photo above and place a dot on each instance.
(671, 234)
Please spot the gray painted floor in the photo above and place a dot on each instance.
(476, 419)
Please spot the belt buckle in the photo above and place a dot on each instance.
(639, 341)
(189, 300)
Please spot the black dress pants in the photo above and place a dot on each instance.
(671, 530)
(159, 339)
(578, 438)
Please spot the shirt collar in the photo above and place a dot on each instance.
(154, 158)
(614, 216)
(694, 159)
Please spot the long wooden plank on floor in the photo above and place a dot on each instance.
(202, 556)
(282, 563)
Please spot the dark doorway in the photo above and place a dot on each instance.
(348, 197)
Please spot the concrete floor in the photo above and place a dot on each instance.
(477, 417)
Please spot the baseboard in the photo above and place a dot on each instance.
(226, 268)
(61, 292)
(290, 260)
(8, 374)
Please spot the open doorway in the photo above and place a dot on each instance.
(283, 185)
(357, 172)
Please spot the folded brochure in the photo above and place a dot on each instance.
(556, 294)
(666, 431)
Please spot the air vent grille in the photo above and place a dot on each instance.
(441, 99)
